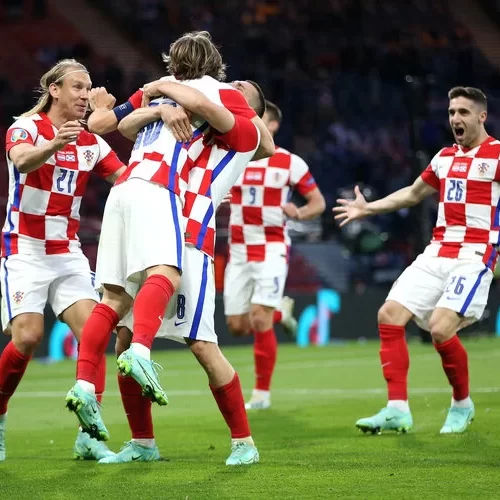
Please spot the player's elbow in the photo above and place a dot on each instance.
(320, 204)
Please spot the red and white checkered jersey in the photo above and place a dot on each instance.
(257, 225)
(214, 173)
(468, 225)
(43, 208)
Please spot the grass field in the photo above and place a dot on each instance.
(308, 444)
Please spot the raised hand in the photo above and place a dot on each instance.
(349, 210)
(177, 120)
(100, 98)
(68, 132)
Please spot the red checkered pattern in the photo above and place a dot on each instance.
(468, 225)
(43, 210)
(257, 222)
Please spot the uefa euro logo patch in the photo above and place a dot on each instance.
(18, 297)
(18, 134)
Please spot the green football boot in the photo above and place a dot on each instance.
(87, 448)
(133, 452)
(387, 419)
(457, 420)
(243, 454)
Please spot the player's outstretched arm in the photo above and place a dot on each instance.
(349, 210)
(28, 157)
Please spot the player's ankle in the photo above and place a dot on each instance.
(247, 440)
(399, 404)
(86, 386)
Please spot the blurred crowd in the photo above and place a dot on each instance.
(338, 69)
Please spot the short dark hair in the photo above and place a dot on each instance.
(260, 105)
(273, 111)
(476, 95)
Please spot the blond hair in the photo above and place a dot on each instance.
(193, 56)
(55, 75)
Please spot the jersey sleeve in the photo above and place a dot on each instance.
(300, 176)
(108, 162)
(243, 137)
(22, 131)
(235, 102)
(133, 102)
(430, 174)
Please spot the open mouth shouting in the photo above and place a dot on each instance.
(459, 133)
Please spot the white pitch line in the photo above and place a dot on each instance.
(288, 392)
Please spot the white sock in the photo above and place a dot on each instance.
(141, 350)
(247, 440)
(463, 403)
(261, 395)
(86, 386)
(399, 404)
(147, 443)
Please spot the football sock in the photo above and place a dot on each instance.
(12, 367)
(265, 349)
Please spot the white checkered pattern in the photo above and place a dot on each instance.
(43, 206)
(468, 224)
(257, 222)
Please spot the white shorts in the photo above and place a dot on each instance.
(142, 227)
(261, 283)
(190, 313)
(430, 282)
(28, 282)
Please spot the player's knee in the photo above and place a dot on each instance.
(26, 335)
(440, 331)
(237, 326)
(392, 313)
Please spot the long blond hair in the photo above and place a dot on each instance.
(55, 75)
(194, 55)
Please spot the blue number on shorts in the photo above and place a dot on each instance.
(276, 282)
(253, 193)
(459, 285)
(66, 187)
(148, 134)
(181, 306)
(455, 191)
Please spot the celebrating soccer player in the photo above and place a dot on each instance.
(446, 287)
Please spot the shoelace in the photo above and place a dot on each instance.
(239, 448)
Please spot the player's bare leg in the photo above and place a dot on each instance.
(87, 447)
(444, 323)
(96, 332)
(27, 333)
(226, 389)
(394, 358)
(149, 310)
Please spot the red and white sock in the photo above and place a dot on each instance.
(149, 309)
(265, 350)
(395, 362)
(229, 399)
(456, 366)
(138, 411)
(95, 338)
(12, 367)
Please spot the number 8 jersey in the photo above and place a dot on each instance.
(43, 208)
(468, 225)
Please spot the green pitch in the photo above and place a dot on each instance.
(308, 444)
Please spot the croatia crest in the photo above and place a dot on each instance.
(18, 297)
(482, 168)
(89, 156)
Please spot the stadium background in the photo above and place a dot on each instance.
(362, 85)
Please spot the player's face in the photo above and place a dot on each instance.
(466, 120)
(247, 89)
(73, 95)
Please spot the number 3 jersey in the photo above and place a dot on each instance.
(257, 227)
(43, 208)
(468, 181)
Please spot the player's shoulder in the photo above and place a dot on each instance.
(27, 122)
(447, 151)
(490, 147)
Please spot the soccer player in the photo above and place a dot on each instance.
(258, 250)
(192, 318)
(135, 209)
(50, 158)
(446, 287)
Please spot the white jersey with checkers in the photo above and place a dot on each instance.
(257, 223)
(43, 208)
